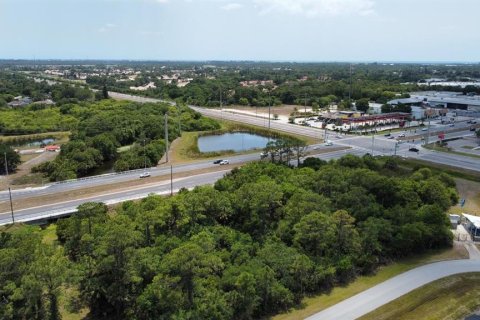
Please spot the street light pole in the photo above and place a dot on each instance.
(428, 131)
(11, 203)
(6, 164)
(373, 139)
(144, 157)
(221, 107)
(166, 137)
(305, 110)
(171, 180)
(269, 107)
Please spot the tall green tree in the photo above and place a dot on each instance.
(12, 158)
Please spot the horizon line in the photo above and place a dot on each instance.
(240, 60)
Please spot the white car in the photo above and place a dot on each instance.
(328, 143)
(224, 162)
(145, 175)
(401, 135)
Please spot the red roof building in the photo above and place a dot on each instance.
(52, 148)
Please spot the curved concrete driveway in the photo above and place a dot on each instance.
(375, 297)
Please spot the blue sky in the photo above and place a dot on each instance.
(280, 30)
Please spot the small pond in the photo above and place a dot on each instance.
(238, 141)
(31, 142)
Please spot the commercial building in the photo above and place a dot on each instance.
(19, 102)
(472, 225)
(348, 120)
(441, 99)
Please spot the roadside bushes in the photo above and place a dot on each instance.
(254, 244)
(105, 126)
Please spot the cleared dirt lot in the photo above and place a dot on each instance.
(283, 110)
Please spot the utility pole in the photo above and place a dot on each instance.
(11, 203)
(269, 107)
(373, 139)
(350, 90)
(6, 164)
(171, 180)
(221, 106)
(305, 105)
(9, 189)
(428, 131)
(166, 137)
(144, 157)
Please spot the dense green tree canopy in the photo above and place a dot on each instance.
(105, 126)
(252, 245)
(10, 156)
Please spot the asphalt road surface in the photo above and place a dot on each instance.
(359, 145)
(61, 208)
(375, 297)
(161, 170)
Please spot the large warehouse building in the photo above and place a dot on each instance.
(445, 99)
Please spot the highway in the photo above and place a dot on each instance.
(162, 170)
(62, 208)
(98, 180)
(358, 145)
(351, 308)
(375, 145)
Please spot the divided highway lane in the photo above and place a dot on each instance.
(113, 197)
(129, 176)
(452, 160)
(63, 207)
(117, 178)
(262, 122)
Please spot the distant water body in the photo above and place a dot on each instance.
(238, 141)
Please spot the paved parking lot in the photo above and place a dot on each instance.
(469, 144)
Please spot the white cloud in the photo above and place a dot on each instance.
(312, 8)
(107, 27)
(232, 6)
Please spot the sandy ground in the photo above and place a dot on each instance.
(283, 110)
(470, 191)
(28, 162)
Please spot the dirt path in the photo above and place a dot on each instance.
(25, 167)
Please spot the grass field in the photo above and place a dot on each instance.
(470, 191)
(436, 147)
(453, 171)
(315, 304)
(185, 149)
(450, 298)
(61, 137)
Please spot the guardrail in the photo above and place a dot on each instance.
(51, 214)
(100, 176)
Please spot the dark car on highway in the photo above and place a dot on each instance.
(217, 161)
(413, 149)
